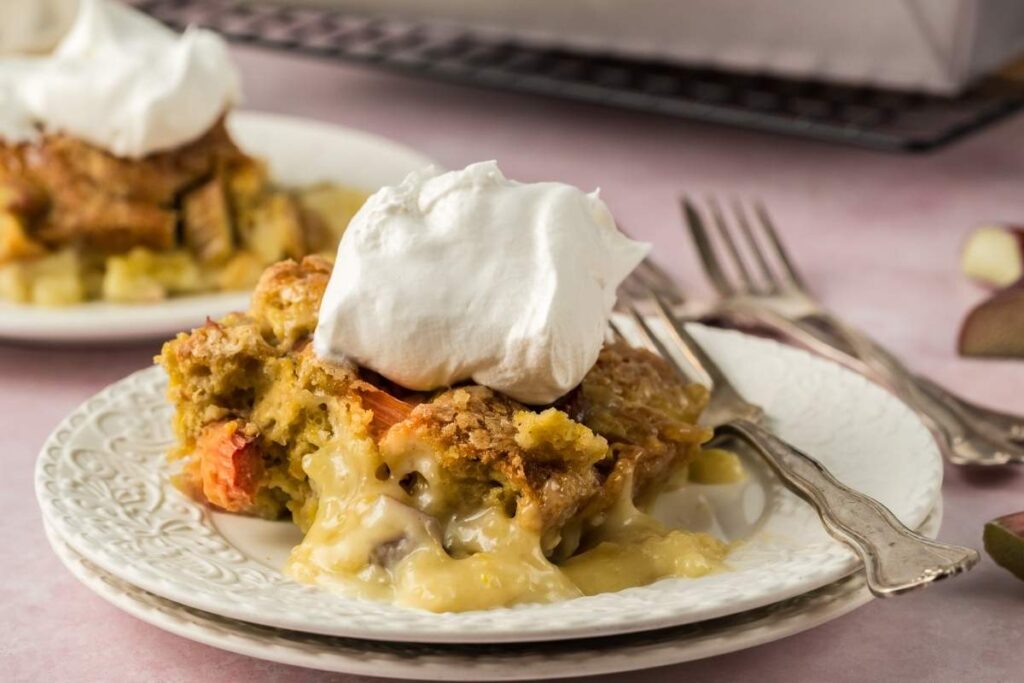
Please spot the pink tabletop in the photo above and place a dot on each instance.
(877, 235)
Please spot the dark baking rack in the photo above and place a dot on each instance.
(868, 117)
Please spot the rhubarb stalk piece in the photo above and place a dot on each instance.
(995, 327)
(994, 255)
(1004, 542)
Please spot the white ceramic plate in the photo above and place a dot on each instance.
(101, 481)
(299, 152)
(484, 662)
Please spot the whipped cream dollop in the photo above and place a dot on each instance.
(467, 275)
(28, 26)
(121, 81)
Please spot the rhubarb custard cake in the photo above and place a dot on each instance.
(120, 182)
(505, 455)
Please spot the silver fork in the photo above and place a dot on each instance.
(777, 295)
(895, 558)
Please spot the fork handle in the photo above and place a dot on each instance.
(1007, 425)
(968, 434)
(971, 439)
(895, 558)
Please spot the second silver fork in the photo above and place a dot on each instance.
(895, 558)
(771, 290)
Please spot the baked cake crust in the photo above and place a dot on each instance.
(78, 223)
(629, 422)
(86, 197)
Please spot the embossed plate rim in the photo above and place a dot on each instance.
(571, 658)
(176, 552)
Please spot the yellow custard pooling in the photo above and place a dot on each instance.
(374, 539)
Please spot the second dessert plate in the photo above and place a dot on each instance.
(299, 152)
(103, 485)
(523, 661)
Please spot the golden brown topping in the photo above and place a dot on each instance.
(551, 435)
(287, 298)
(206, 221)
(20, 196)
(212, 210)
(81, 195)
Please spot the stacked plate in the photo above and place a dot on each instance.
(127, 533)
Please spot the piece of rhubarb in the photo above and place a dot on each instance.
(230, 466)
(995, 327)
(1004, 542)
(994, 255)
(387, 410)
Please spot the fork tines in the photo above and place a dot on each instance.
(759, 239)
(649, 276)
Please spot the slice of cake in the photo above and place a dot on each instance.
(460, 498)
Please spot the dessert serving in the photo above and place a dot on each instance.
(119, 180)
(440, 412)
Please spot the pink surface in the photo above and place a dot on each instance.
(877, 235)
